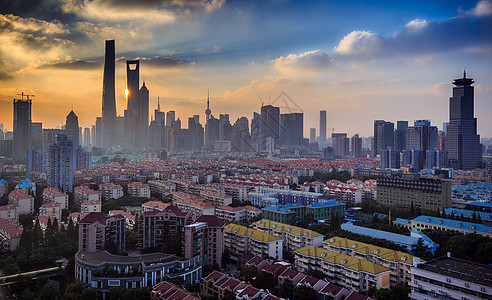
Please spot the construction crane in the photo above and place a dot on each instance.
(27, 96)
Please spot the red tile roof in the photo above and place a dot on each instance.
(210, 220)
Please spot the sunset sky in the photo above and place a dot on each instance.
(392, 60)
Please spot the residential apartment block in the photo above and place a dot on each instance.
(293, 237)
(397, 262)
(216, 199)
(427, 194)
(349, 272)
(23, 201)
(10, 235)
(161, 187)
(97, 229)
(205, 238)
(427, 222)
(242, 240)
(90, 206)
(138, 189)
(451, 278)
(9, 212)
(196, 208)
(51, 194)
(294, 212)
(110, 191)
(156, 227)
(241, 214)
(51, 210)
(84, 193)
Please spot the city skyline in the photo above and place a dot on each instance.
(357, 73)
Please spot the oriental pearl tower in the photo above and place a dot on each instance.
(208, 112)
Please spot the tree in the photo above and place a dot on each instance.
(248, 273)
(142, 293)
(265, 281)
(334, 222)
(421, 250)
(116, 293)
(303, 293)
(286, 290)
(10, 266)
(49, 292)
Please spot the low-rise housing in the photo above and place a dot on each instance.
(161, 187)
(293, 237)
(215, 198)
(52, 194)
(154, 205)
(240, 214)
(242, 240)
(83, 193)
(90, 206)
(9, 212)
(196, 208)
(138, 189)
(451, 278)
(428, 222)
(23, 201)
(168, 291)
(349, 272)
(51, 210)
(110, 190)
(397, 262)
(10, 235)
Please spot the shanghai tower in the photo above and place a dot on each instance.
(465, 151)
(108, 97)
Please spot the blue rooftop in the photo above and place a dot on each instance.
(380, 234)
(3, 181)
(481, 204)
(455, 224)
(282, 210)
(325, 204)
(469, 213)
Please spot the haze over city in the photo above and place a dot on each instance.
(393, 60)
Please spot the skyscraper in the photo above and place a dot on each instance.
(356, 146)
(322, 128)
(463, 142)
(143, 102)
(72, 128)
(422, 136)
(312, 135)
(340, 144)
(291, 129)
(240, 135)
(269, 125)
(401, 135)
(22, 128)
(132, 112)
(108, 97)
(383, 136)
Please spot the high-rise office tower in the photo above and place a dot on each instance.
(422, 136)
(143, 102)
(37, 134)
(356, 146)
(132, 112)
(35, 158)
(195, 132)
(72, 130)
(436, 158)
(240, 136)
(340, 144)
(322, 128)
(211, 132)
(108, 97)
(99, 131)
(225, 128)
(463, 142)
(383, 136)
(170, 118)
(269, 125)
(291, 129)
(87, 136)
(401, 135)
(312, 135)
(62, 164)
(93, 135)
(255, 131)
(390, 158)
(22, 128)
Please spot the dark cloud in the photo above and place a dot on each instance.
(72, 65)
(420, 37)
(158, 62)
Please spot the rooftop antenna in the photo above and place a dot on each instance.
(464, 73)
(27, 96)
(158, 105)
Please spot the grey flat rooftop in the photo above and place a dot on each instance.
(460, 269)
(96, 258)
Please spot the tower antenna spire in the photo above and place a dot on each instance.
(464, 73)
(208, 112)
(158, 105)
